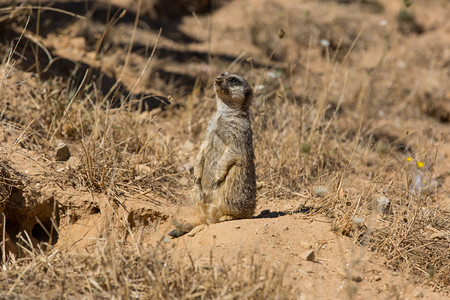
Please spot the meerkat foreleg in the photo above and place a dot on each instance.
(225, 163)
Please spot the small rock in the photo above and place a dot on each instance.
(62, 152)
(308, 255)
(358, 221)
(237, 227)
(324, 43)
(383, 204)
(356, 277)
(320, 190)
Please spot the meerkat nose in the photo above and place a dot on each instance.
(218, 80)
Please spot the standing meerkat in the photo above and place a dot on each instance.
(224, 170)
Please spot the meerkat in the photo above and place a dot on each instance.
(224, 171)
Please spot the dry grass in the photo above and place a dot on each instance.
(119, 271)
(305, 136)
(116, 270)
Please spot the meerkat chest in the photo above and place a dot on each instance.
(214, 143)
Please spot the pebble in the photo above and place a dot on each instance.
(358, 221)
(62, 152)
(320, 190)
(356, 277)
(324, 43)
(308, 255)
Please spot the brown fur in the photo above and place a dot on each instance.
(224, 172)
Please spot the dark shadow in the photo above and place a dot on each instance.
(267, 214)
(145, 102)
(94, 210)
(45, 233)
(13, 228)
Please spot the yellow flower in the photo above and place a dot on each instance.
(419, 164)
(408, 159)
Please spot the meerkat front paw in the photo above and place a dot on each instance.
(218, 179)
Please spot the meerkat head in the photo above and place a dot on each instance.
(233, 90)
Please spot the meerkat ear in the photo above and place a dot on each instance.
(248, 94)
